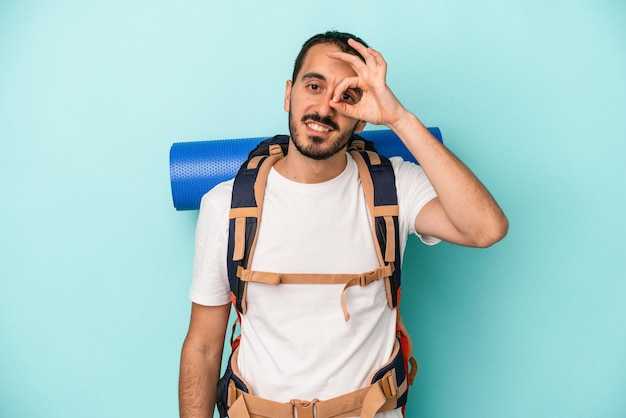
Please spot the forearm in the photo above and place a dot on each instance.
(467, 203)
(199, 373)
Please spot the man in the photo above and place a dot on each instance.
(295, 343)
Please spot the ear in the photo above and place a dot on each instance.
(360, 125)
(287, 103)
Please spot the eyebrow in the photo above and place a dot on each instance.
(315, 75)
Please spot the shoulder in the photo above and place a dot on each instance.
(408, 174)
(402, 167)
(215, 204)
(218, 195)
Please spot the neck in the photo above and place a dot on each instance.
(301, 169)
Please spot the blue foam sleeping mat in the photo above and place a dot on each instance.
(196, 167)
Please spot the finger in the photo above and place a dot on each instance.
(354, 61)
(348, 83)
(368, 53)
(378, 57)
(344, 109)
(360, 48)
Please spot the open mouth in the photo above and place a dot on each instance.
(318, 127)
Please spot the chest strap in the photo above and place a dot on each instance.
(348, 280)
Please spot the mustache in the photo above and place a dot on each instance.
(319, 119)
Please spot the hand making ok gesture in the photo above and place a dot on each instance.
(378, 105)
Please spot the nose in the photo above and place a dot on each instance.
(323, 105)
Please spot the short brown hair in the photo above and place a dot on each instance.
(331, 37)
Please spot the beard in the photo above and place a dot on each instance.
(314, 147)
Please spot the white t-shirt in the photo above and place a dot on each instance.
(295, 343)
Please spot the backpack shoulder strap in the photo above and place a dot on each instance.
(245, 213)
(379, 186)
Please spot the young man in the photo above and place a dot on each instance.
(295, 343)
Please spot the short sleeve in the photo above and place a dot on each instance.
(209, 284)
(414, 191)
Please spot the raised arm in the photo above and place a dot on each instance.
(464, 211)
(201, 359)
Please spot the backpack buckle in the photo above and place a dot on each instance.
(389, 385)
(275, 150)
(304, 409)
(357, 144)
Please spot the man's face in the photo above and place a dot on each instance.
(317, 130)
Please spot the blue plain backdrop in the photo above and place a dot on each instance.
(95, 263)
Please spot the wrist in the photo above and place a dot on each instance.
(405, 122)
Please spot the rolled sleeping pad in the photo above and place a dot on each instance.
(196, 167)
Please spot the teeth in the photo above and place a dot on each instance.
(317, 127)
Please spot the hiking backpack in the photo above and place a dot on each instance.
(378, 183)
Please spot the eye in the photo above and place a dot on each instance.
(347, 97)
(352, 96)
(313, 87)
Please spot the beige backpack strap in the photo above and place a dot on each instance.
(368, 191)
(240, 214)
(387, 212)
(348, 280)
(366, 402)
(364, 280)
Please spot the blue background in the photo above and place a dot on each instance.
(95, 263)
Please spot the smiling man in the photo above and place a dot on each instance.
(300, 353)
(310, 94)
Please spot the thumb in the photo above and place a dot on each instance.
(344, 109)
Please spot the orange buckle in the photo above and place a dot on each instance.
(275, 150)
(358, 145)
(304, 409)
(389, 384)
(362, 280)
